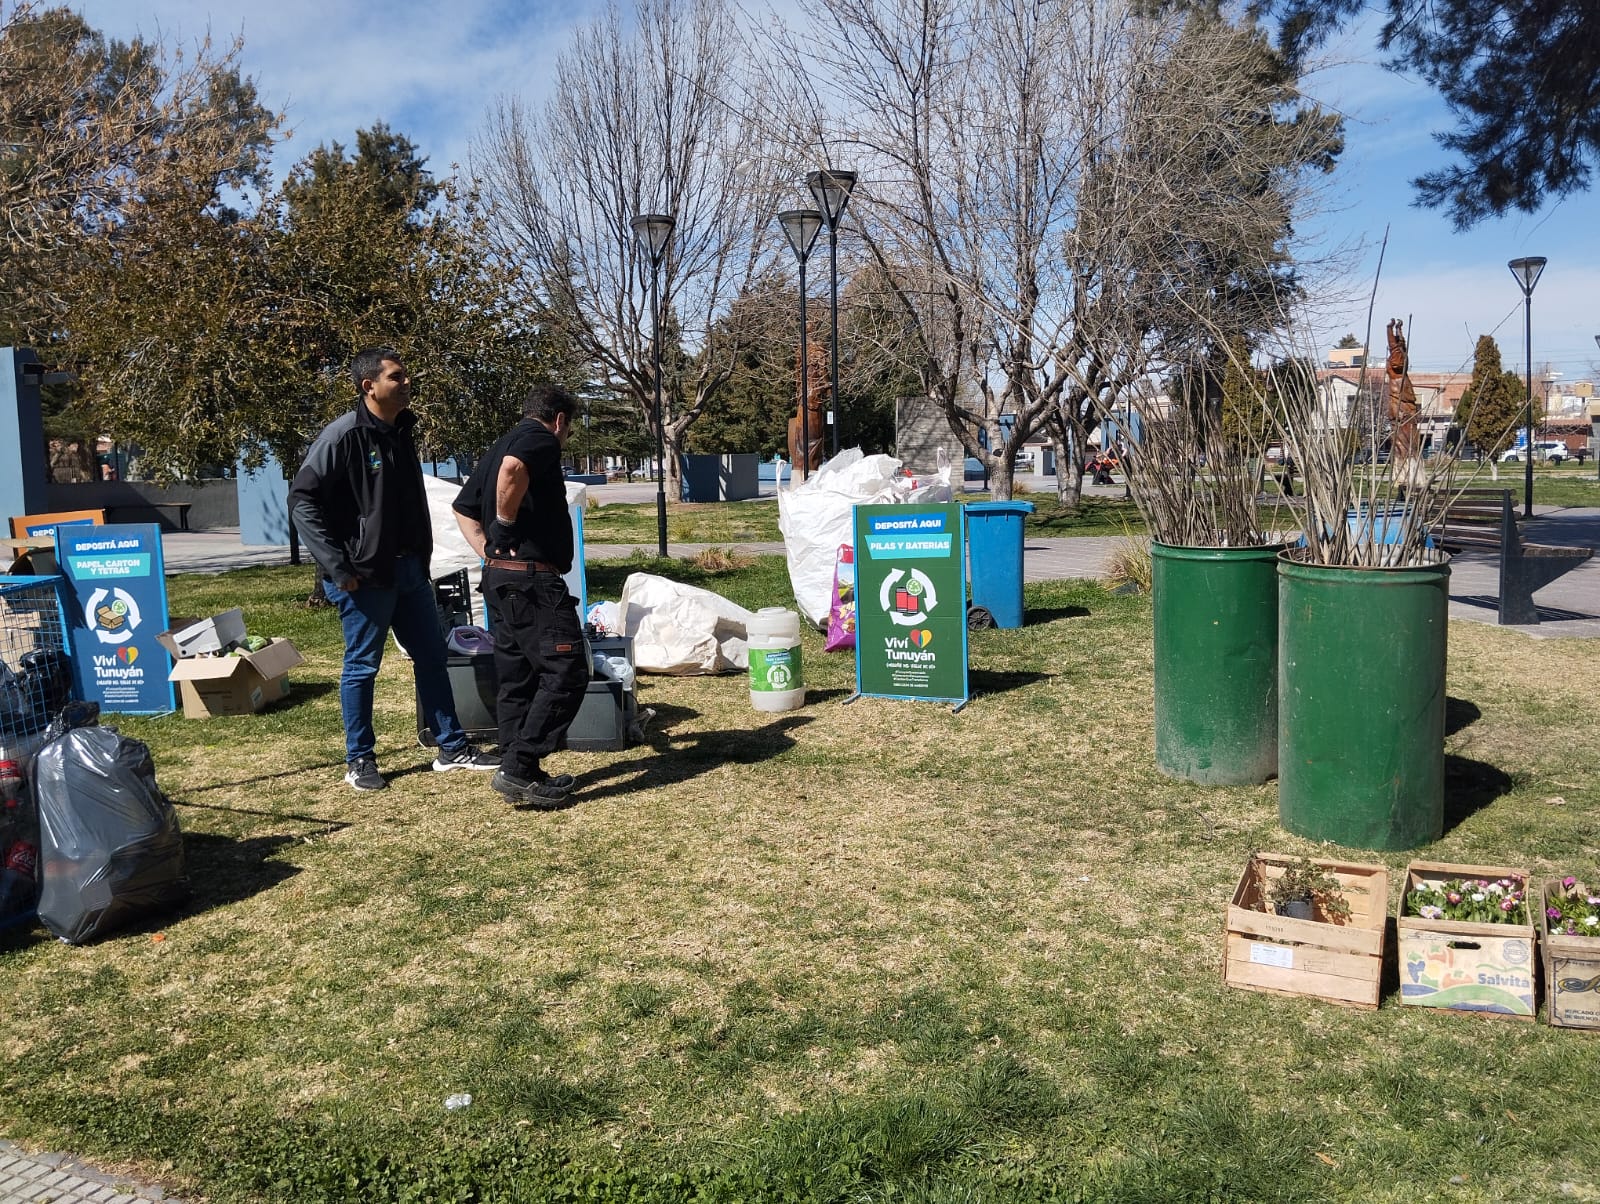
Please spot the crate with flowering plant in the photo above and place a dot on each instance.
(1570, 921)
(1467, 939)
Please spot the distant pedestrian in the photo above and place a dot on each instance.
(359, 504)
(513, 511)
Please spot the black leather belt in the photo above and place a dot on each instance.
(523, 566)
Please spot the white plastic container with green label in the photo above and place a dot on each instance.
(776, 682)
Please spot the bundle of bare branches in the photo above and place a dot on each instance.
(1196, 477)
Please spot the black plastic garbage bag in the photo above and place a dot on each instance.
(109, 845)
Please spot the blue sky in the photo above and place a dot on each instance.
(432, 69)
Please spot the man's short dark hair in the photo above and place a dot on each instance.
(545, 401)
(368, 362)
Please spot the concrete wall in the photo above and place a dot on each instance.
(213, 503)
(22, 474)
(720, 478)
(919, 432)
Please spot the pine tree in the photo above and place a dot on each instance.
(1494, 403)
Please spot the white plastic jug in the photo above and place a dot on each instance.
(776, 681)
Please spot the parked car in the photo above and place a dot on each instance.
(1551, 450)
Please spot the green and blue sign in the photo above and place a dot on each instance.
(911, 602)
(116, 604)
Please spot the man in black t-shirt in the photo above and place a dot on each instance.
(513, 511)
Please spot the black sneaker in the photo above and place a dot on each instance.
(363, 774)
(527, 792)
(465, 757)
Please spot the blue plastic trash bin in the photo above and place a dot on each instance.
(994, 558)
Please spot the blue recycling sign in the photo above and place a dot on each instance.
(116, 605)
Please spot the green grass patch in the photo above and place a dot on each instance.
(867, 952)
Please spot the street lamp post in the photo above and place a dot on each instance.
(801, 226)
(653, 230)
(1527, 273)
(832, 191)
(1594, 429)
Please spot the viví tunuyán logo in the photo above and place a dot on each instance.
(907, 597)
(128, 654)
(112, 615)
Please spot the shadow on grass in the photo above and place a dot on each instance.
(1459, 714)
(294, 772)
(1469, 787)
(304, 692)
(815, 696)
(680, 759)
(224, 870)
(1049, 614)
(220, 869)
(998, 681)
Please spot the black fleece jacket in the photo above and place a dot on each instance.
(358, 500)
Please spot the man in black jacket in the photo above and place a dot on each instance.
(361, 510)
(513, 511)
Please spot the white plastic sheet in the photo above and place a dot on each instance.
(682, 629)
(452, 552)
(814, 517)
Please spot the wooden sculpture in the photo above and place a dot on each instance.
(1403, 408)
(816, 415)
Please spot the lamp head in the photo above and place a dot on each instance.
(832, 189)
(1527, 270)
(653, 230)
(801, 226)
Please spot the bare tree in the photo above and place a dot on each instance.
(1043, 179)
(640, 123)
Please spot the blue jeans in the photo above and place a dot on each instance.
(368, 614)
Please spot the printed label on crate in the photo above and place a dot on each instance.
(911, 602)
(1575, 990)
(1486, 974)
(1281, 956)
(115, 599)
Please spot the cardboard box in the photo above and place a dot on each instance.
(1341, 963)
(234, 685)
(1571, 971)
(1465, 967)
(31, 558)
(196, 637)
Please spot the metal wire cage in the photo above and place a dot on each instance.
(35, 667)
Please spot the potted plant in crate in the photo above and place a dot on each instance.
(1571, 941)
(1466, 939)
(1194, 470)
(1334, 953)
(1304, 890)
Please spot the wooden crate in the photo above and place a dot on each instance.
(1571, 972)
(1342, 963)
(1486, 968)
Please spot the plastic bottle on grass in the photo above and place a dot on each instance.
(19, 884)
(776, 680)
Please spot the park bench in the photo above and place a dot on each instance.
(1487, 519)
(177, 511)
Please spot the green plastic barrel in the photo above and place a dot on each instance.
(1216, 663)
(1361, 697)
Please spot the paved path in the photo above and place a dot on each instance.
(1569, 606)
(61, 1179)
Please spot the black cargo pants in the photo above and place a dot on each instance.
(539, 659)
